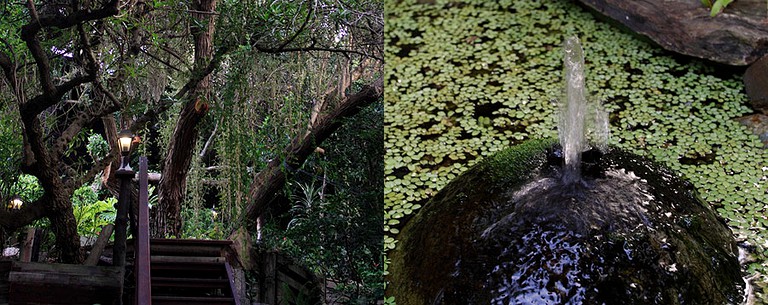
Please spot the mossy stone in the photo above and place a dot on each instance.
(508, 231)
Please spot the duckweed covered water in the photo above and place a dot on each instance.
(466, 79)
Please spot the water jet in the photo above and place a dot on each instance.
(566, 223)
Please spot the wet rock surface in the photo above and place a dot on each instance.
(509, 232)
(736, 36)
(756, 84)
(758, 124)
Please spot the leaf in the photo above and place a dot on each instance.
(718, 7)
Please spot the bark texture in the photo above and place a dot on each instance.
(167, 221)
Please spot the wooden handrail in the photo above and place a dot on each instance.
(232, 284)
(143, 277)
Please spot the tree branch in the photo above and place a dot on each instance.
(51, 93)
(162, 61)
(62, 22)
(310, 9)
(272, 178)
(115, 102)
(198, 76)
(99, 166)
(209, 141)
(316, 48)
(8, 66)
(43, 67)
(151, 114)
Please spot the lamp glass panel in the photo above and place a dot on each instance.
(125, 144)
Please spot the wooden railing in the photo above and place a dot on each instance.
(282, 281)
(143, 294)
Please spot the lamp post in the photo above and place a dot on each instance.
(125, 174)
(124, 140)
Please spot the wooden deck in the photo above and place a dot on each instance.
(39, 283)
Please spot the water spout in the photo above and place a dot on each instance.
(574, 111)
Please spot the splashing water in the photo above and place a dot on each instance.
(574, 111)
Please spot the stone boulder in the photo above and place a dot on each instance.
(508, 231)
(756, 84)
(737, 36)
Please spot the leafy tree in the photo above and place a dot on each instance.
(54, 107)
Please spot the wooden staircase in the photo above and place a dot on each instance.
(185, 271)
(178, 271)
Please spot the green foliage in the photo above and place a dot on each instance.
(202, 223)
(91, 217)
(12, 16)
(270, 24)
(390, 300)
(97, 147)
(91, 213)
(90, 142)
(304, 205)
(467, 79)
(25, 186)
(340, 234)
(256, 123)
(328, 236)
(28, 188)
(716, 7)
(297, 298)
(10, 151)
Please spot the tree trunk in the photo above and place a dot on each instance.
(167, 221)
(65, 228)
(271, 179)
(57, 205)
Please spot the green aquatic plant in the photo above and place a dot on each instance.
(466, 79)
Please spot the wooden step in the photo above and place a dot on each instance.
(190, 250)
(180, 241)
(188, 247)
(154, 259)
(183, 246)
(189, 270)
(174, 300)
(189, 282)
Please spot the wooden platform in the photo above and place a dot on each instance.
(39, 283)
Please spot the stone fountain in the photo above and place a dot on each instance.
(566, 223)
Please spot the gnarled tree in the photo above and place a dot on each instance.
(59, 40)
